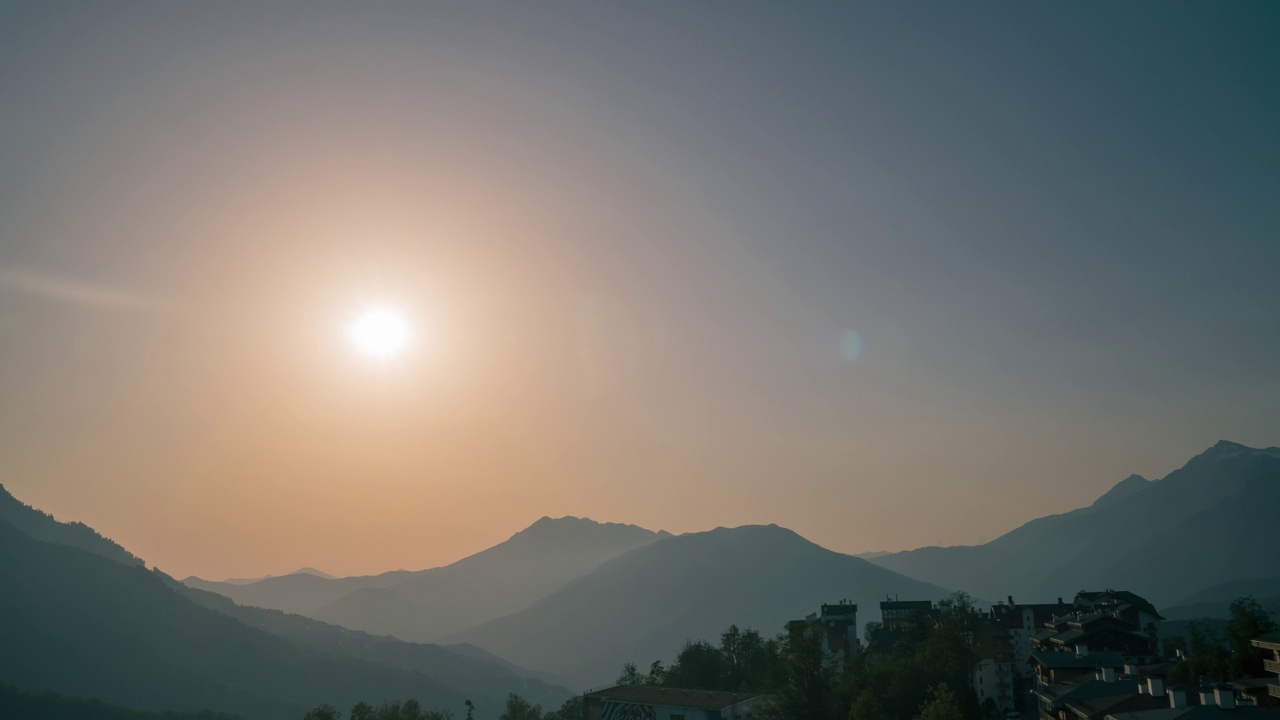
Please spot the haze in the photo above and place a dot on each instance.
(884, 278)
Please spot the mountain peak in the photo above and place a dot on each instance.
(571, 525)
(1123, 489)
(1228, 450)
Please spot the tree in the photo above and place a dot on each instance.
(867, 707)
(570, 710)
(471, 710)
(630, 676)
(941, 705)
(519, 709)
(698, 666)
(323, 712)
(1249, 620)
(808, 693)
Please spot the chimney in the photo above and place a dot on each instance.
(1107, 674)
(1206, 697)
(1082, 650)
(1224, 696)
(1178, 697)
(1155, 687)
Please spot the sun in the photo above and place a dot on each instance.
(381, 332)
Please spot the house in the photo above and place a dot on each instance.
(650, 702)
(1057, 668)
(1272, 643)
(839, 626)
(896, 615)
(1022, 621)
(993, 674)
(1108, 620)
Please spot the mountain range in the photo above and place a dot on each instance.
(645, 604)
(81, 618)
(430, 604)
(1212, 521)
(575, 599)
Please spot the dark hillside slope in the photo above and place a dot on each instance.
(464, 668)
(76, 623)
(43, 526)
(644, 605)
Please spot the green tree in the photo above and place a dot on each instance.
(698, 665)
(519, 709)
(323, 712)
(867, 707)
(941, 705)
(630, 676)
(808, 693)
(570, 710)
(1249, 620)
(471, 710)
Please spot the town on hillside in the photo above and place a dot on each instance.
(1098, 656)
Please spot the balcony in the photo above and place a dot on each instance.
(1272, 665)
(1274, 691)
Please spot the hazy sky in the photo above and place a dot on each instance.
(886, 274)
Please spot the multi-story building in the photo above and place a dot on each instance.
(993, 675)
(1271, 642)
(839, 624)
(1022, 621)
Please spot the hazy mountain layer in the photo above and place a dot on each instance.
(427, 605)
(1210, 522)
(1228, 591)
(643, 605)
(80, 624)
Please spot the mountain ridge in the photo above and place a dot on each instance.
(641, 605)
(1207, 514)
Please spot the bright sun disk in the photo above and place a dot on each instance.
(379, 332)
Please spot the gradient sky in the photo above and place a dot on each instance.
(886, 275)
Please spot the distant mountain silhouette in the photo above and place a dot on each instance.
(1211, 521)
(463, 667)
(643, 605)
(1228, 591)
(427, 605)
(43, 526)
(77, 623)
(250, 581)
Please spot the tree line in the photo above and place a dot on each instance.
(517, 708)
(924, 675)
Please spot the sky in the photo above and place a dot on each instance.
(888, 275)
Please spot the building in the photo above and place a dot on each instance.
(1272, 643)
(896, 615)
(993, 676)
(1022, 621)
(839, 627)
(649, 702)
(1112, 621)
